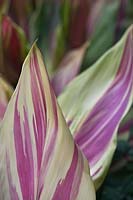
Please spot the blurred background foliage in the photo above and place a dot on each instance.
(61, 26)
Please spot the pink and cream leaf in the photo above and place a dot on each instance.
(68, 69)
(95, 103)
(39, 159)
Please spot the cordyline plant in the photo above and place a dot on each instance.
(46, 154)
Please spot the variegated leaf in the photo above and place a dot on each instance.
(68, 69)
(95, 103)
(39, 159)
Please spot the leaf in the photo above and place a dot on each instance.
(71, 32)
(39, 159)
(68, 69)
(96, 101)
(14, 47)
(104, 33)
(108, 20)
